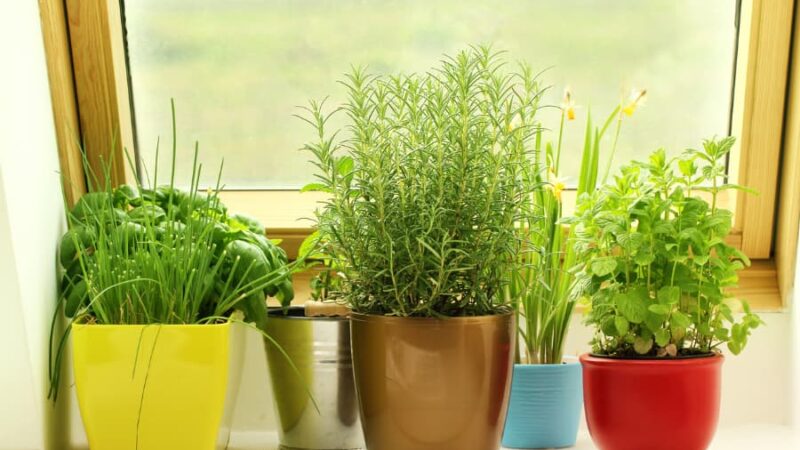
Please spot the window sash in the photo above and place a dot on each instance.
(101, 96)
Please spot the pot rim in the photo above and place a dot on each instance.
(594, 360)
(188, 326)
(564, 365)
(277, 313)
(449, 320)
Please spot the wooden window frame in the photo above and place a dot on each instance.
(91, 99)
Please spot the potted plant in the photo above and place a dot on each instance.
(316, 410)
(425, 186)
(153, 278)
(546, 389)
(654, 266)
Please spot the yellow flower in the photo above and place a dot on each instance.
(568, 104)
(556, 183)
(635, 100)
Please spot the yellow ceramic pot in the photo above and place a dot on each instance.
(156, 387)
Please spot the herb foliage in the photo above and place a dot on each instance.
(541, 287)
(157, 254)
(426, 184)
(653, 258)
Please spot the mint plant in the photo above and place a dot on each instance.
(653, 261)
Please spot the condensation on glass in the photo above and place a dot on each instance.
(238, 69)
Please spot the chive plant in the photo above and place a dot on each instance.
(161, 255)
(426, 184)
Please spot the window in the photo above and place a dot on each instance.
(238, 69)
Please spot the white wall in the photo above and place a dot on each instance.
(31, 222)
(20, 416)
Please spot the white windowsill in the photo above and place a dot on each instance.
(750, 437)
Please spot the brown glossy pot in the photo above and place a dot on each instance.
(432, 384)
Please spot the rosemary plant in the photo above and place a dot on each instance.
(426, 184)
(541, 287)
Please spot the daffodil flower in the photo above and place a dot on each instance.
(635, 100)
(557, 184)
(568, 104)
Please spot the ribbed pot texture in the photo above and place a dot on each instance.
(433, 384)
(545, 406)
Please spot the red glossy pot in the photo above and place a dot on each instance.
(653, 404)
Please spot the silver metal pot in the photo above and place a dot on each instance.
(319, 349)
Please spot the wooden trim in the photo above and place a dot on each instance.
(758, 286)
(789, 201)
(279, 210)
(62, 94)
(767, 59)
(98, 55)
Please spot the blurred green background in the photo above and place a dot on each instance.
(238, 69)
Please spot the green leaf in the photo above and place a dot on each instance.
(654, 321)
(680, 319)
(662, 337)
(687, 167)
(659, 309)
(344, 166)
(678, 333)
(603, 266)
(642, 346)
(669, 295)
(622, 325)
(309, 245)
(631, 307)
(734, 347)
(608, 326)
(315, 187)
(644, 258)
(725, 311)
(664, 228)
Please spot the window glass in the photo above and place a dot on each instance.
(238, 69)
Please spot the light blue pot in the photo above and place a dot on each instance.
(545, 405)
